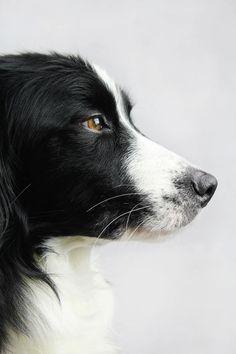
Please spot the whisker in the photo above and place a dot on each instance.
(127, 222)
(114, 197)
(18, 196)
(119, 216)
(123, 185)
(136, 229)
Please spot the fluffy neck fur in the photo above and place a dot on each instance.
(80, 322)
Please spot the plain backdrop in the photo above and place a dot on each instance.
(177, 58)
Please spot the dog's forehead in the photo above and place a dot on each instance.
(116, 92)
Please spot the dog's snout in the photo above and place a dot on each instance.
(204, 186)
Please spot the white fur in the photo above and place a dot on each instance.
(80, 323)
(152, 168)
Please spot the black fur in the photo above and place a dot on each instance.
(49, 171)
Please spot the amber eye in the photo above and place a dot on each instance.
(95, 122)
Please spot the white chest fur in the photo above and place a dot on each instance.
(80, 323)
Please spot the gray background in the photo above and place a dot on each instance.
(177, 58)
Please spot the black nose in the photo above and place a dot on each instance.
(204, 185)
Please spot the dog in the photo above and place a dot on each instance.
(74, 170)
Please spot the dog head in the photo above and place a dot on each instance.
(75, 162)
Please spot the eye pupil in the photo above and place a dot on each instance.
(96, 122)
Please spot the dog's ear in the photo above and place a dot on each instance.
(11, 212)
(12, 229)
(16, 249)
(12, 215)
(6, 190)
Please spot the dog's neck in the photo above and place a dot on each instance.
(85, 306)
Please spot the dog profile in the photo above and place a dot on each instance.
(75, 169)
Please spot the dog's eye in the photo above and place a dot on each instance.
(95, 122)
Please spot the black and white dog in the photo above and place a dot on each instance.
(73, 168)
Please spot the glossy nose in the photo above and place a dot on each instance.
(204, 185)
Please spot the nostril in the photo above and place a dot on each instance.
(210, 190)
(197, 188)
(204, 186)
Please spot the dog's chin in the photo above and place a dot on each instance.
(155, 230)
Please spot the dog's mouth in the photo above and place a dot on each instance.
(159, 216)
(149, 219)
(151, 226)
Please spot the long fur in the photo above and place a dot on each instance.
(59, 181)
